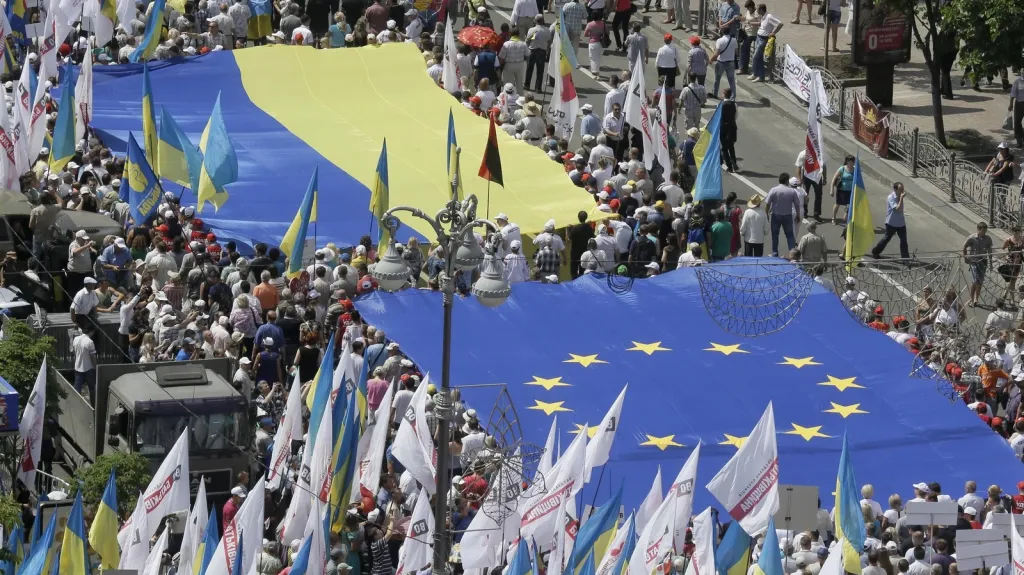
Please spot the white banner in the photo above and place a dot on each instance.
(564, 481)
(418, 547)
(600, 447)
(1016, 547)
(450, 80)
(413, 446)
(814, 148)
(135, 547)
(682, 491)
(651, 503)
(702, 562)
(246, 526)
(748, 485)
(369, 466)
(564, 105)
(618, 544)
(638, 114)
(291, 422)
(31, 429)
(193, 537)
(168, 491)
(798, 78)
(155, 560)
(83, 96)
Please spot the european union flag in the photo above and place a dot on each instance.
(154, 29)
(823, 371)
(143, 186)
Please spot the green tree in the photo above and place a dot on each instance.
(927, 25)
(132, 477)
(21, 354)
(10, 515)
(991, 31)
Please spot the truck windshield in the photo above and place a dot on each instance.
(156, 434)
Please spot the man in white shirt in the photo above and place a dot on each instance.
(616, 95)
(970, 498)
(667, 62)
(127, 315)
(1017, 439)
(509, 233)
(623, 235)
(999, 319)
(754, 228)
(549, 236)
(86, 301)
(691, 257)
(606, 243)
(517, 269)
(601, 150)
(673, 193)
(724, 60)
(523, 14)
(613, 126)
(85, 363)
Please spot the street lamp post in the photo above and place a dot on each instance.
(453, 227)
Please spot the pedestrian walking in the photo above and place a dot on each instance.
(810, 185)
(636, 47)
(780, 204)
(895, 222)
(667, 62)
(724, 60)
(977, 252)
(1017, 107)
(691, 99)
(729, 131)
(513, 55)
(595, 32)
(620, 23)
(842, 187)
(697, 60)
(538, 40)
(748, 31)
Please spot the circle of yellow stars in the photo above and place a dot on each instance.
(807, 433)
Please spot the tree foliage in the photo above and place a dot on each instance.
(991, 32)
(21, 353)
(132, 477)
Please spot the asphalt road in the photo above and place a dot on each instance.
(768, 145)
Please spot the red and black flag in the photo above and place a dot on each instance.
(490, 168)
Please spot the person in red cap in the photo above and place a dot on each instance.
(1018, 500)
(212, 247)
(667, 62)
(475, 103)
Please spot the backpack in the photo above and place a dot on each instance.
(695, 236)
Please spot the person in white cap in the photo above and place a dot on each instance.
(232, 506)
(79, 260)
(590, 124)
(390, 34)
(517, 269)
(509, 233)
(549, 237)
(115, 261)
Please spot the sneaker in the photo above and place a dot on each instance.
(751, 77)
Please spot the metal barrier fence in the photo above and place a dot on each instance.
(1001, 205)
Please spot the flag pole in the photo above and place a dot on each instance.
(596, 490)
(488, 199)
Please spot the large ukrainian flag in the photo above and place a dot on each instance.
(103, 532)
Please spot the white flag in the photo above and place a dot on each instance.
(302, 492)
(37, 118)
(651, 503)
(814, 151)
(103, 25)
(834, 564)
(155, 560)
(344, 372)
(289, 429)
(481, 543)
(72, 10)
(418, 545)
(126, 12)
(547, 459)
(655, 541)
(564, 105)
(748, 485)
(168, 491)
(314, 532)
(320, 463)
(22, 118)
(194, 528)
(702, 562)
(83, 94)
(247, 526)
(600, 447)
(664, 157)
(31, 429)
(540, 511)
(681, 491)
(135, 547)
(8, 157)
(1016, 548)
(636, 112)
(450, 80)
(369, 466)
(5, 33)
(413, 447)
(615, 548)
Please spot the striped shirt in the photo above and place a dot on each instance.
(693, 96)
(697, 61)
(513, 51)
(574, 13)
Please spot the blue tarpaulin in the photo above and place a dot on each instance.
(568, 350)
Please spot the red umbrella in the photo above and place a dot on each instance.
(479, 36)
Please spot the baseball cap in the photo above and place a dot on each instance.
(244, 361)
(891, 546)
(81, 234)
(970, 511)
(1020, 485)
(923, 487)
(238, 491)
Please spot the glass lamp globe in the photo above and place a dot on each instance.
(391, 272)
(491, 289)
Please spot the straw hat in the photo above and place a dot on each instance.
(755, 201)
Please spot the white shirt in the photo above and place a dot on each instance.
(689, 260)
(487, 98)
(726, 49)
(85, 353)
(516, 268)
(606, 244)
(667, 57)
(623, 234)
(600, 257)
(972, 500)
(1017, 443)
(400, 404)
(876, 508)
(509, 233)
(824, 283)
(614, 96)
(768, 24)
(307, 35)
(523, 9)
(556, 242)
(85, 301)
(999, 319)
(673, 195)
(754, 226)
(599, 151)
(413, 30)
(127, 314)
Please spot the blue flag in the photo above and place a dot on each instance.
(143, 187)
(154, 28)
(708, 153)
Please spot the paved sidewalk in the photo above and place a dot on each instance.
(973, 120)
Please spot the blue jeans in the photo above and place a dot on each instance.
(744, 49)
(729, 69)
(758, 66)
(87, 379)
(786, 223)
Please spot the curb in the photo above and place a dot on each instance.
(934, 208)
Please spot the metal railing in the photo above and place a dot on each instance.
(1001, 205)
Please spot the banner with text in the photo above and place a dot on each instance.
(798, 78)
(871, 125)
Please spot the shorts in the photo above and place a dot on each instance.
(978, 271)
(834, 16)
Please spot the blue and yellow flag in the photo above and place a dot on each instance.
(10, 58)
(849, 521)
(74, 555)
(172, 152)
(63, 147)
(17, 14)
(220, 165)
(360, 394)
(15, 546)
(39, 556)
(596, 534)
(770, 561)
(588, 567)
(521, 563)
(621, 566)
(149, 131)
(259, 19)
(708, 153)
(380, 198)
(207, 545)
(346, 462)
(453, 158)
(733, 554)
(154, 29)
(860, 229)
(568, 50)
(103, 531)
(294, 241)
(143, 185)
(319, 394)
